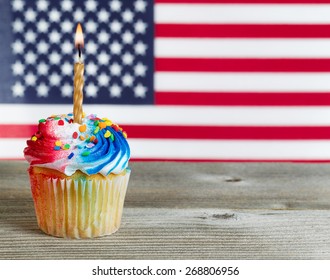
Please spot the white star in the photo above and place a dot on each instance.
(140, 91)
(91, 90)
(91, 5)
(66, 5)
(67, 26)
(127, 58)
(42, 68)
(42, 5)
(42, 90)
(140, 48)
(42, 47)
(127, 16)
(30, 57)
(128, 80)
(30, 79)
(140, 5)
(18, 68)
(115, 69)
(115, 5)
(115, 26)
(67, 68)
(54, 58)
(103, 37)
(54, 15)
(18, 5)
(103, 16)
(78, 15)
(54, 36)
(55, 79)
(17, 47)
(103, 80)
(30, 36)
(30, 15)
(140, 27)
(103, 58)
(115, 91)
(18, 90)
(67, 47)
(91, 47)
(91, 26)
(140, 69)
(42, 26)
(128, 37)
(91, 69)
(18, 26)
(66, 90)
(115, 47)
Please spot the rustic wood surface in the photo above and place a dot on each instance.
(188, 211)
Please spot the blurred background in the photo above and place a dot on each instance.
(188, 80)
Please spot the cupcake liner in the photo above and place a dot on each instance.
(79, 208)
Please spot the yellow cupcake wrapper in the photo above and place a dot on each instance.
(79, 208)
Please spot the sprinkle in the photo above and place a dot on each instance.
(79, 146)
(96, 130)
(96, 123)
(58, 143)
(60, 122)
(70, 120)
(90, 145)
(70, 114)
(96, 141)
(83, 114)
(108, 123)
(70, 156)
(57, 148)
(102, 125)
(124, 134)
(34, 138)
(116, 127)
(57, 118)
(67, 119)
(66, 146)
(82, 138)
(92, 138)
(82, 128)
(75, 135)
(85, 153)
(42, 120)
(112, 137)
(107, 134)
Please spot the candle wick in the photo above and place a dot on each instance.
(79, 51)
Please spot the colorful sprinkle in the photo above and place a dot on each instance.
(82, 138)
(70, 156)
(108, 123)
(66, 146)
(96, 123)
(57, 148)
(42, 120)
(92, 138)
(85, 153)
(34, 138)
(124, 134)
(57, 118)
(96, 141)
(82, 128)
(116, 127)
(75, 135)
(96, 130)
(90, 145)
(58, 143)
(112, 137)
(102, 125)
(107, 134)
(60, 122)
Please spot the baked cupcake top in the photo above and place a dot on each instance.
(96, 146)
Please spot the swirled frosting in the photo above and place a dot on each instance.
(95, 146)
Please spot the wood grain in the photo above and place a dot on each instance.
(188, 211)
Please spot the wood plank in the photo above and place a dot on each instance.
(211, 185)
(149, 233)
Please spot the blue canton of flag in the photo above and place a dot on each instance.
(37, 56)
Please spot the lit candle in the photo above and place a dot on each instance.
(78, 82)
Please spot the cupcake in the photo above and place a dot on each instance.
(79, 175)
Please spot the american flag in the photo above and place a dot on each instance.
(188, 79)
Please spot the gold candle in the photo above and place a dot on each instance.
(78, 82)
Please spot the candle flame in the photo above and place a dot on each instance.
(79, 38)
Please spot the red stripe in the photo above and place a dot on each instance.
(243, 1)
(242, 99)
(200, 132)
(242, 65)
(242, 30)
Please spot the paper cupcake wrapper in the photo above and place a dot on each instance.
(79, 208)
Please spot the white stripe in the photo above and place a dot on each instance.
(178, 115)
(242, 82)
(242, 48)
(251, 13)
(206, 149)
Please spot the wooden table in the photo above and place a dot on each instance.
(188, 211)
